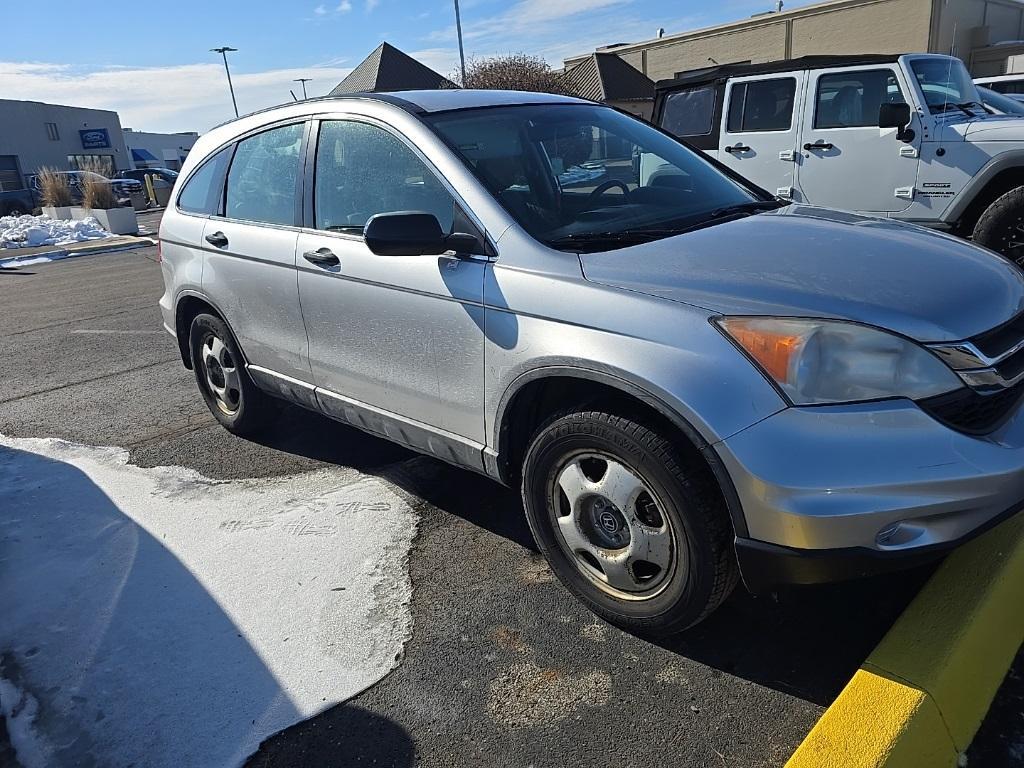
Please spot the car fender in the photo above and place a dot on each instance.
(1013, 158)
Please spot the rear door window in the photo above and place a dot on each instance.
(762, 105)
(202, 192)
(263, 181)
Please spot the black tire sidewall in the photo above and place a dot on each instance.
(997, 219)
(239, 421)
(685, 598)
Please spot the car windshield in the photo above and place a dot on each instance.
(586, 177)
(945, 84)
(1002, 103)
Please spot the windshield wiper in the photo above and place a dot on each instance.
(750, 207)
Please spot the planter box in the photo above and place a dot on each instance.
(118, 221)
(78, 213)
(63, 213)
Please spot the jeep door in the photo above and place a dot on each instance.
(396, 342)
(760, 130)
(847, 160)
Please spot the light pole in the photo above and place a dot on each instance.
(462, 55)
(303, 80)
(223, 51)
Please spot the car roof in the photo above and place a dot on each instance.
(725, 71)
(430, 101)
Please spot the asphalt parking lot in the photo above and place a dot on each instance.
(503, 666)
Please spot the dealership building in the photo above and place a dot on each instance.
(37, 135)
(986, 34)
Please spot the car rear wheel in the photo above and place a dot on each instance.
(224, 383)
(1001, 226)
(643, 540)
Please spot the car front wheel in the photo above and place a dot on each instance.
(642, 539)
(1001, 226)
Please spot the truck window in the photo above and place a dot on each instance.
(762, 105)
(689, 113)
(852, 99)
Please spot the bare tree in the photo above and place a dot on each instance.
(515, 72)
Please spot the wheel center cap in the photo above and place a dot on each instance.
(608, 522)
(604, 524)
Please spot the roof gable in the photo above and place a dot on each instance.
(607, 77)
(389, 69)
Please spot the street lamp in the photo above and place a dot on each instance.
(303, 80)
(223, 51)
(462, 55)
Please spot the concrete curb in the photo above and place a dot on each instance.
(56, 254)
(923, 692)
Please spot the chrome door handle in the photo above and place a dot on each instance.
(818, 145)
(322, 257)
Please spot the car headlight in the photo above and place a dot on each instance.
(830, 361)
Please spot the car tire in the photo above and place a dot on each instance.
(655, 555)
(1001, 226)
(225, 384)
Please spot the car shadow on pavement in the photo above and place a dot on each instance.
(804, 641)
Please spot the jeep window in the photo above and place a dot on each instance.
(202, 192)
(264, 175)
(689, 113)
(852, 99)
(762, 105)
(566, 174)
(945, 84)
(362, 170)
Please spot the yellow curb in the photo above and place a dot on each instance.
(921, 695)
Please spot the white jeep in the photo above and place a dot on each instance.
(905, 137)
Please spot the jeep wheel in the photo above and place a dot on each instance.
(1001, 226)
(643, 541)
(224, 383)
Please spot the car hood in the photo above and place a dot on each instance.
(814, 262)
(997, 128)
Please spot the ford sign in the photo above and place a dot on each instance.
(95, 138)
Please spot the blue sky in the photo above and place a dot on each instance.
(151, 63)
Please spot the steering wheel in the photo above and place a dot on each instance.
(604, 186)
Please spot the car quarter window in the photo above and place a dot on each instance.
(263, 177)
(761, 105)
(202, 192)
(362, 169)
(690, 112)
(852, 99)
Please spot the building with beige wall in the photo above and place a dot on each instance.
(977, 31)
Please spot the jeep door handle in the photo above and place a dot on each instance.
(818, 145)
(218, 239)
(737, 148)
(322, 257)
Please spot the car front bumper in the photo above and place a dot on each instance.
(838, 492)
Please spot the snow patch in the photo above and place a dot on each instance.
(161, 618)
(29, 231)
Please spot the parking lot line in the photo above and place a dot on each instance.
(921, 695)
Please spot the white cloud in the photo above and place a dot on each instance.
(371, 4)
(320, 10)
(187, 97)
(344, 6)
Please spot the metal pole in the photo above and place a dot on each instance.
(303, 80)
(462, 55)
(223, 51)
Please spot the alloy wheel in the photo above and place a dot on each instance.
(221, 374)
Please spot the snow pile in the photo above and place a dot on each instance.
(27, 231)
(154, 617)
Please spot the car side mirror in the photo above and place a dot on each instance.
(896, 116)
(413, 233)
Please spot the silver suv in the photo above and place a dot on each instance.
(691, 380)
